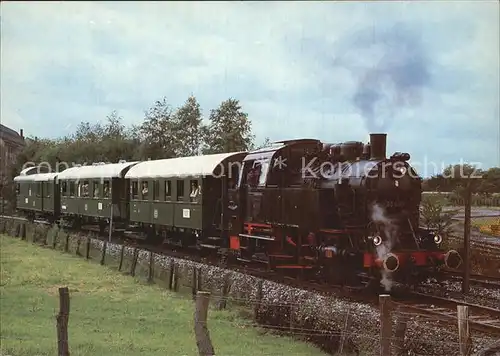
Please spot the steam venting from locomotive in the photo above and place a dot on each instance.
(389, 239)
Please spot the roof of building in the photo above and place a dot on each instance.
(11, 135)
(110, 170)
(180, 167)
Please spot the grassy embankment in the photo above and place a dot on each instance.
(110, 314)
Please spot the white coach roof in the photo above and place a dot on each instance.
(179, 167)
(110, 170)
(42, 177)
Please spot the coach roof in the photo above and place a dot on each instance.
(182, 166)
(109, 170)
(42, 177)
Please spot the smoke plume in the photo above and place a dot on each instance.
(389, 236)
(391, 68)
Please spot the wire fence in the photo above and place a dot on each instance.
(333, 324)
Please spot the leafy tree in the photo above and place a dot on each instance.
(188, 125)
(433, 216)
(158, 132)
(229, 129)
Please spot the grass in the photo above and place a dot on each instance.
(484, 224)
(110, 313)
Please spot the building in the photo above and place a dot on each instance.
(11, 143)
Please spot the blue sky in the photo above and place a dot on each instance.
(426, 73)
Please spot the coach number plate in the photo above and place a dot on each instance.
(186, 213)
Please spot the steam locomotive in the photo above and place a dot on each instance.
(343, 213)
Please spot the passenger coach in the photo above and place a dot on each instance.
(94, 194)
(182, 199)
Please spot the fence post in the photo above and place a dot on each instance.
(171, 276)
(463, 329)
(87, 248)
(385, 324)
(258, 299)
(151, 262)
(103, 252)
(203, 341)
(66, 243)
(225, 291)
(121, 257)
(62, 322)
(134, 262)
(194, 283)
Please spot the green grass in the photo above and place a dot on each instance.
(110, 314)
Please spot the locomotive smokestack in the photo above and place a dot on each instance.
(378, 143)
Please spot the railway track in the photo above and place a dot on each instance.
(484, 319)
(481, 318)
(478, 279)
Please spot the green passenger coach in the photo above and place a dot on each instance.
(95, 193)
(37, 194)
(177, 199)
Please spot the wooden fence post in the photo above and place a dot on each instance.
(176, 278)
(78, 243)
(134, 262)
(62, 322)
(203, 341)
(150, 271)
(400, 332)
(258, 299)
(171, 276)
(385, 324)
(194, 283)
(66, 243)
(87, 248)
(121, 258)
(225, 291)
(463, 330)
(103, 252)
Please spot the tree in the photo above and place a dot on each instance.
(158, 132)
(188, 124)
(229, 129)
(433, 216)
(265, 143)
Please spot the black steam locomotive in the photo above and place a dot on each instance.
(343, 211)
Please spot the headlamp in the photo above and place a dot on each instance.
(377, 240)
(438, 239)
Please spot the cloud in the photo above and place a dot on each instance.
(297, 68)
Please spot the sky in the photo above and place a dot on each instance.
(425, 73)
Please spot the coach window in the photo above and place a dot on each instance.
(264, 168)
(156, 190)
(180, 190)
(64, 188)
(145, 190)
(106, 189)
(168, 190)
(84, 189)
(71, 189)
(18, 188)
(193, 195)
(95, 189)
(134, 191)
(38, 189)
(47, 189)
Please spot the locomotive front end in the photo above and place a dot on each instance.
(396, 246)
